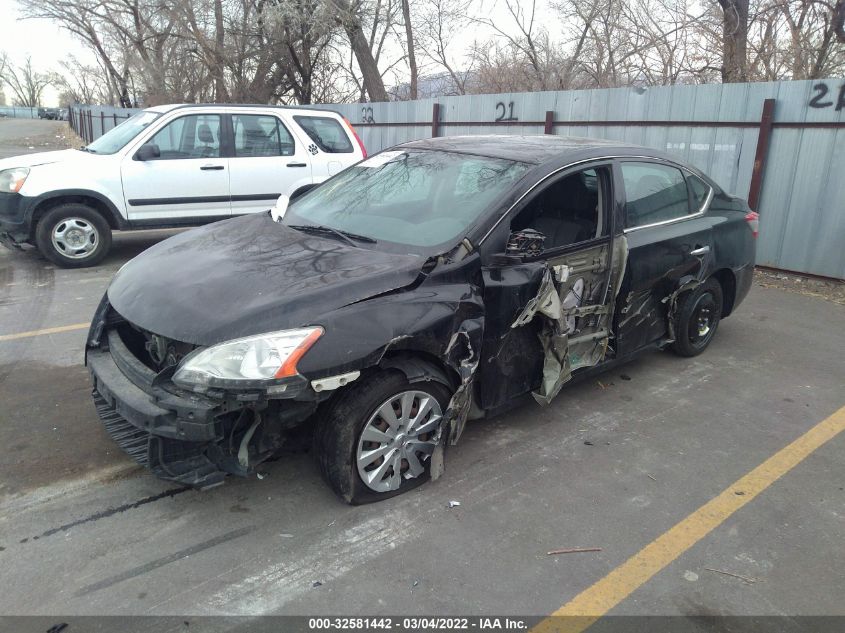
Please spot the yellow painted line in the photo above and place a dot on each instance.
(595, 601)
(49, 330)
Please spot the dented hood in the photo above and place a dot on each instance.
(249, 275)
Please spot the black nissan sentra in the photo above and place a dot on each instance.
(440, 281)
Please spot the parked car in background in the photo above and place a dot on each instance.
(442, 280)
(173, 165)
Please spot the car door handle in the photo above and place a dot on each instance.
(297, 164)
(701, 250)
(212, 167)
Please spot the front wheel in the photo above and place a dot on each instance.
(377, 440)
(73, 235)
(697, 317)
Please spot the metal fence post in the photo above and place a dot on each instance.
(435, 120)
(549, 127)
(763, 137)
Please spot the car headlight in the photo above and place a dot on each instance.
(253, 361)
(11, 180)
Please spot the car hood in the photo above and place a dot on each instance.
(249, 275)
(44, 158)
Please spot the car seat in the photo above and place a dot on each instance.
(206, 137)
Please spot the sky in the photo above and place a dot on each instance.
(45, 42)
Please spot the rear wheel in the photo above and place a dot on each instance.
(377, 440)
(73, 235)
(697, 318)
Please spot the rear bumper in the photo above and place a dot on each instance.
(744, 278)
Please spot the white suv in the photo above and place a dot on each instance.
(174, 165)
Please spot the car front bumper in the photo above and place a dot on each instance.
(181, 436)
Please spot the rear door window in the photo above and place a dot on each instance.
(653, 193)
(261, 135)
(327, 133)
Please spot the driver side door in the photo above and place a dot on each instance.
(549, 313)
(189, 179)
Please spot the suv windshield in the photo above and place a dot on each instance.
(116, 138)
(418, 200)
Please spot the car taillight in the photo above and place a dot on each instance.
(753, 219)
(357, 138)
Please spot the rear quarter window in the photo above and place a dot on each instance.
(327, 133)
(653, 193)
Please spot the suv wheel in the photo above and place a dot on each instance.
(376, 440)
(73, 235)
(697, 319)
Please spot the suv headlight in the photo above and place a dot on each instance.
(11, 180)
(253, 361)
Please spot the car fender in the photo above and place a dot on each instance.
(95, 177)
(111, 211)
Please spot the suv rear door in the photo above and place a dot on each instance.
(267, 160)
(190, 177)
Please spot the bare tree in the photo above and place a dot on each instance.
(26, 83)
(411, 52)
(439, 21)
(350, 15)
(734, 40)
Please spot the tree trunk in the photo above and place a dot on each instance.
(734, 40)
(220, 93)
(412, 59)
(839, 20)
(372, 80)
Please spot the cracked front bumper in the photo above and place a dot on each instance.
(168, 434)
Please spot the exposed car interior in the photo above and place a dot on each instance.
(567, 211)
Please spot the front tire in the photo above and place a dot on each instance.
(73, 235)
(697, 318)
(376, 440)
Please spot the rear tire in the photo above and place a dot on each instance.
(697, 318)
(345, 453)
(73, 235)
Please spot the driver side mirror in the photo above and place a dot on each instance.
(525, 243)
(148, 151)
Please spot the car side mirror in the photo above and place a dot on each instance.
(278, 212)
(525, 243)
(148, 151)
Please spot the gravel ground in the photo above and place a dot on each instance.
(25, 136)
(828, 289)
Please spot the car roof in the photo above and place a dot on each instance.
(537, 149)
(169, 107)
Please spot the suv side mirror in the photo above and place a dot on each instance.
(148, 151)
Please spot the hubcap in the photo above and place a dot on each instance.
(703, 317)
(397, 439)
(75, 237)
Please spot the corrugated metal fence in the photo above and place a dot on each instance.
(19, 112)
(779, 144)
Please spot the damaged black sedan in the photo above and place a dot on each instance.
(440, 281)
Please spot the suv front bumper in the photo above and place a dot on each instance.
(14, 226)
